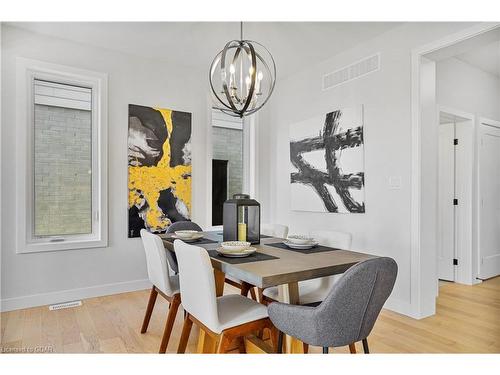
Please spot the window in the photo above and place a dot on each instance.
(62, 149)
(227, 161)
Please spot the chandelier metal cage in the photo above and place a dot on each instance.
(242, 77)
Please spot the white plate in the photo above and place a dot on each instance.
(194, 238)
(300, 247)
(236, 254)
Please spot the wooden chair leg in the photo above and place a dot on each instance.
(280, 343)
(306, 347)
(149, 309)
(172, 312)
(241, 345)
(244, 288)
(352, 348)
(274, 333)
(186, 330)
(252, 294)
(260, 293)
(365, 346)
(224, 342)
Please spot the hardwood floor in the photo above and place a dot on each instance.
(467, 321)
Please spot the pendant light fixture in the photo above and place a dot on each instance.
(242, 77)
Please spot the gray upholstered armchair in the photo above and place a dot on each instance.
(348, 313)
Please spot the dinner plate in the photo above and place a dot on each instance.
(300, 247)
(236, 254)
(195, 238)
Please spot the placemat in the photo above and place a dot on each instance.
(255, 257)
(201, 241)
(261, 236)
(316, 249)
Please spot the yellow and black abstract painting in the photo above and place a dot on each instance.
(159, 168)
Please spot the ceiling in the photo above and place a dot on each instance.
(194, 44)
(486, 58)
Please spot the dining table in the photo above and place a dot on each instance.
(273, 264)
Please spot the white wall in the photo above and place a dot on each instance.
(30, 279)
(385, 228)
(467, 88)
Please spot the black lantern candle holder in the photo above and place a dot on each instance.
(241, 219)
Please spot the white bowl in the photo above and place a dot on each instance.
(238, 253)
(300, 240)
(235, 245)
(186, 234)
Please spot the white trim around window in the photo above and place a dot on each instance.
(26, 72)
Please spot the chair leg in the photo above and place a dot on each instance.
(244, 288)
(149, 309)
(224, 342)
(352, 348)
(280, 343)
(186, 330)
(365, 346)
(325, 349)
(260, 293)
(252, 294)
(274, 334)
(241, 345)
(172, 312)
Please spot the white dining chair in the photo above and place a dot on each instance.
(274, 230)
(224, 318)
(164, 283)
(315, 290)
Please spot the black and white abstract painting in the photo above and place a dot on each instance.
(327, 163)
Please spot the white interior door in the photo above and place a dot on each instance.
(464, 171)
(489, 202)
(446, 215)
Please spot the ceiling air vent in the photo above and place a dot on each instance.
(348, 73)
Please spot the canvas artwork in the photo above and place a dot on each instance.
(159, 168)
(327, 163)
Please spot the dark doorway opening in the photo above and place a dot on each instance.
(219, 189)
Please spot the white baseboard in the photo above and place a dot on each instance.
(399, 306)
(42, 299)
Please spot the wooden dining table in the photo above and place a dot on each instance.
(272, 265)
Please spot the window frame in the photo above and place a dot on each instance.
(27, 71)
(249, 157)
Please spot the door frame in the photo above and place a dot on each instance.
(424, 264)
(496, 124)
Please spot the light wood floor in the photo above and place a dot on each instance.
(467, 321)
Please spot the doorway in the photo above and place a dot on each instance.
(425, 139)
(455, 193)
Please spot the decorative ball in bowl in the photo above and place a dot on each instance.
(186, 234)
(235, 245)
(300, 240)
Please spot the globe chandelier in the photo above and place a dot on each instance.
(242, 77)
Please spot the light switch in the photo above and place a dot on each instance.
(395, 182)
